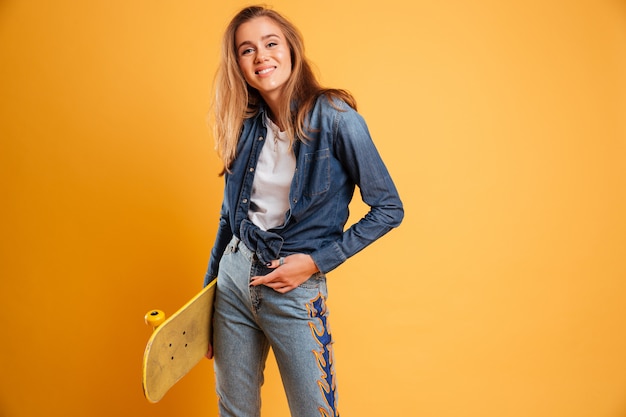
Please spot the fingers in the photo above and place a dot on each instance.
(209, 353)
(274, 280)
(269, 280)
(297, 269)
(276, 262)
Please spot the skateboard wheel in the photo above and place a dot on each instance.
(154, 318)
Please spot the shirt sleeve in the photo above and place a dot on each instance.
(353, 146)
(223, 237)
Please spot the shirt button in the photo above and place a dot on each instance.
(245, 200)
(251, 169)
(295, 200)
(260, 137)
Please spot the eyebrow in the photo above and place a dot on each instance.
(264, 37)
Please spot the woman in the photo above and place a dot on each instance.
(293, 153)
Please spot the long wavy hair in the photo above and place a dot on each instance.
(234, 100)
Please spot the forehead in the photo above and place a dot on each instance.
(257, 29)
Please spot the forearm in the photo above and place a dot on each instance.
(378, 222)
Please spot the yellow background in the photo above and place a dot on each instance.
(503, 123)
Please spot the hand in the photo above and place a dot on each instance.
(295, 269)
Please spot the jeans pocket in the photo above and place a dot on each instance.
(317, 282)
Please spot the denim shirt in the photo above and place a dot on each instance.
(338, 156)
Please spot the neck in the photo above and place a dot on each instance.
(274, 105)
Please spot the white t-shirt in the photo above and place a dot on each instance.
(269, 200)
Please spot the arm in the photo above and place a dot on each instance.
(365, 168)
(223, 237)
(353, 145)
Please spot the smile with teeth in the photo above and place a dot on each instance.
(264, 71)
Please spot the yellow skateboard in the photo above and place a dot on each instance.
(177, 343)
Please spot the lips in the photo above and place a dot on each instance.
(264, 71)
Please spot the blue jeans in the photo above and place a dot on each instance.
(249, 320)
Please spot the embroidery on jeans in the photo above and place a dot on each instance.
(324, 356)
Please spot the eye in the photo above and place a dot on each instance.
(246, 51)
(272, 44)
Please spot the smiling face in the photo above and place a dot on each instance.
(264, 57)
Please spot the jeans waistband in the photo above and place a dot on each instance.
(238, 245)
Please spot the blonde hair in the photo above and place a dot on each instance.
(234, 100)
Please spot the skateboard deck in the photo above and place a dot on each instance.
(177, 343)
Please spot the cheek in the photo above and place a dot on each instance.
(287, 62)
(244, 70)
(287, 58)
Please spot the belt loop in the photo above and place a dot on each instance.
(236, 241)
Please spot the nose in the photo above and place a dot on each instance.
(260, 57)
